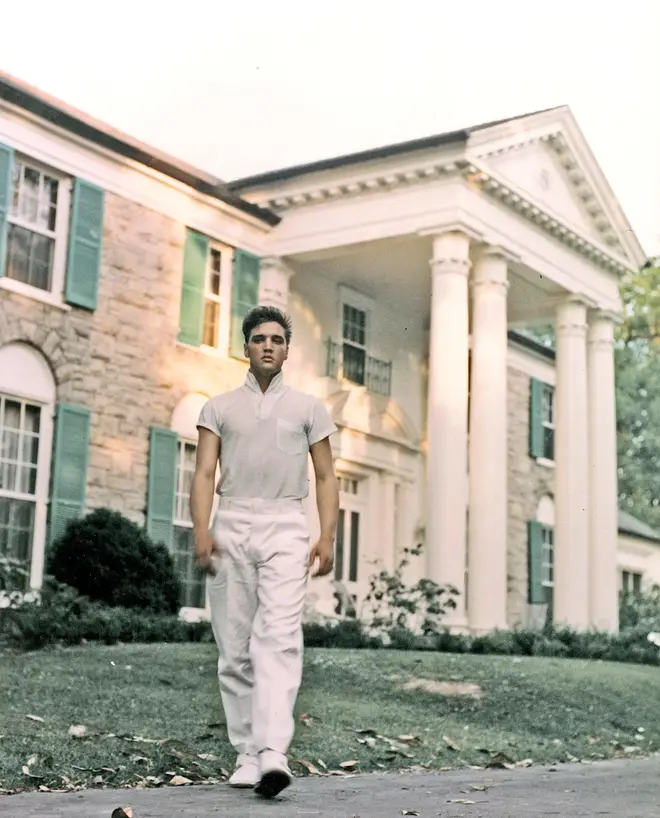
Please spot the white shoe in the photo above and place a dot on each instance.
(246, 774)
(275, 774)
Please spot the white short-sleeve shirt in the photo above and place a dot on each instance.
(266, 437)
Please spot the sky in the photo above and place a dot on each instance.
(241, 88)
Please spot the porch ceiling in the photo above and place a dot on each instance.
(396, 273)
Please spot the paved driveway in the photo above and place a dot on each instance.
(615, 788)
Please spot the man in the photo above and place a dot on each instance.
(257, 552)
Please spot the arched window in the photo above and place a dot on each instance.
(27, 400)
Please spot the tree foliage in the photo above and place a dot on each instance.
(638, 395)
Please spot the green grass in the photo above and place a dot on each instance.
(544, 709)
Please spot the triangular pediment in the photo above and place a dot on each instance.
(546, 159)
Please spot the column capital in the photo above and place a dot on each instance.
(600, 333)
(274, 282)
(491, 270)
(498, 251)
(278, 264)
(571, 316)
(451, 253)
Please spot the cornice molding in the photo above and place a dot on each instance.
(487, 182)
(496, 188)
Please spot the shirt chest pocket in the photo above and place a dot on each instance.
(290, 437)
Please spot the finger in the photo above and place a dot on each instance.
(312, 557)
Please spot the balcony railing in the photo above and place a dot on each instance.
(353, 364)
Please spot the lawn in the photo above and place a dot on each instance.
(152, 712)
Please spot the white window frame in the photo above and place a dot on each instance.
(353, 500)
(54, 296)
(548, 564)
(41, 494)
(352, 298)
(224, 298)
(549, 399)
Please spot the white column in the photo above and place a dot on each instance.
(274, 279)
(571, 575)
(603, 492)
(487, 540)
(447, 416)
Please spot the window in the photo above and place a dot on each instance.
(548, 421)
(347, 544)
(354, 339)
(548, 559)
(36, 230)
(212, 299)
(20, 423)
(631, 582)
(193, 591)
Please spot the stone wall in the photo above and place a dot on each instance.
(527, 483)
(122, 360)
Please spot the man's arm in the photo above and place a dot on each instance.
(327, 502)
(201, 496)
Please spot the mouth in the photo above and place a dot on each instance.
(267, 359)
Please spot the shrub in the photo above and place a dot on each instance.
(62, 616)
(108, 558)
(392, 606)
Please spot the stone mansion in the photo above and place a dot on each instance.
(411, 273)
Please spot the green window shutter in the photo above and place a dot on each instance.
(245, 296)
(69, 471)
(85, 240)
(536, 418)
(191, 314)
(6, 167)
(536, 594)
(162, 485)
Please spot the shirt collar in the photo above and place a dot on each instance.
(276, 385)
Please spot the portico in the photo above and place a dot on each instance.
(448, 245)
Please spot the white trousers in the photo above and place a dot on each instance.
(256, 601)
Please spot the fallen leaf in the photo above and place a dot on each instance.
(207, 756)
(349, 765)
(526, 762)
(478, 788)
(180, 781)
(311, 769)
(26, 771)
(34, 718)
(410, 739)
(122, 812)
(42, 788)
(461, 801)
(98, 779)
(367, 732)
(500, 761)
(450, 743)
(32, 760)
(409, 812)
(215, 725)
(77, 731)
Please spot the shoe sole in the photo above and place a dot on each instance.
(272, 783)
(242, 786)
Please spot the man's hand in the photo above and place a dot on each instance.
(205, 549)
(324, 551)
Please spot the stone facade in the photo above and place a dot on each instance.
(122, 361)
(528, 481)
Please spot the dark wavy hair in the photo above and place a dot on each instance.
(261, 315)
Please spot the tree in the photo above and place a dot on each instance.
(638, 395)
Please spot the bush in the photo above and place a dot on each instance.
(62, 616)
(110, 559)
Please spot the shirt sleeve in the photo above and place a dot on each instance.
(320, 423)
(209, 419)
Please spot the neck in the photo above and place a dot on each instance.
(264, 381)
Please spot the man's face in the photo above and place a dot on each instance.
(267, 348)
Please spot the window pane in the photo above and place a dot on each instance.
(32, 419)
(339, 547)
(29, 257)
(16, 533)
(548, 443)
(48, 204)
(355, 537)
(28, 198)
(211, 323)
(354, 364)
(214, 272)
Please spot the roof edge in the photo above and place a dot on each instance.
(346, 160)
(46, 107)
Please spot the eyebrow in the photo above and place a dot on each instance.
(261, 335)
